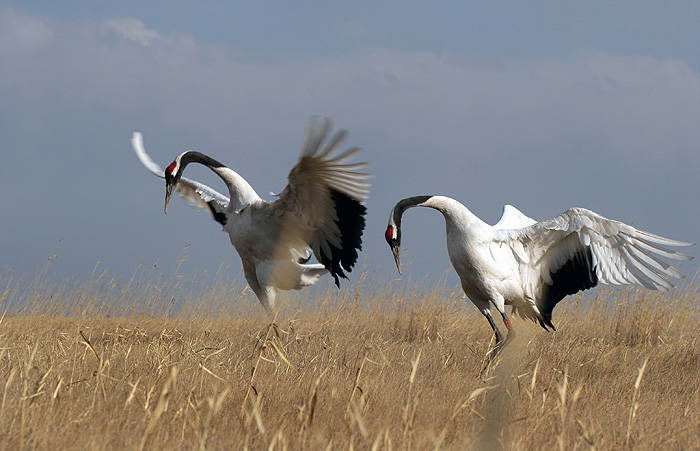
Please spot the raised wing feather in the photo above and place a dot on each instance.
(194, 193)
(579, 248)
(323, 202)
(146, 160)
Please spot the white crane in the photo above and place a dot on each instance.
(533, 265)
(320, 211)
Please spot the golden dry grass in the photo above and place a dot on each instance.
(172, 365)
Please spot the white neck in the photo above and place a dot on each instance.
(455, 213)
(239, 189)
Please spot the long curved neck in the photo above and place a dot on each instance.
(457, 218)
(455, 213)
(451, 209)
(403, 205)
(239, 189)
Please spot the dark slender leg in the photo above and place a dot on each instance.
(499, 336)
(497, 347)
(500, 343)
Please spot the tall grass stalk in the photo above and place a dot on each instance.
(173, 362)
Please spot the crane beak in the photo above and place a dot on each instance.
(169, 188)
(396, 250)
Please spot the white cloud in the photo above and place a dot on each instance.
(428, 122)
(633, 104)
(132, 29)
(22, 33)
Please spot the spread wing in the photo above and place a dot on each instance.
(578, 249)
(196, 194)
(322, 205)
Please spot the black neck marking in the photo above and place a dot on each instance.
(197, 157)
(404, 204)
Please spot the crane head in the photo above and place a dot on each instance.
(392, 235)
(171, 178)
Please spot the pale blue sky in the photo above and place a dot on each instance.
(545, 106)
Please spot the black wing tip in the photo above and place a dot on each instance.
(351, 224)
(546, 322)
(337, 276)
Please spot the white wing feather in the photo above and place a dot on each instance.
(621, 253)
(513, 218)
(194, 193)
(306, 202)
(146, 160)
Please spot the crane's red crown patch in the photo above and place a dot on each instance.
(169, 170)
(389, 234)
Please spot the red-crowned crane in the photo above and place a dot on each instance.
(533, 265)
(320, 211)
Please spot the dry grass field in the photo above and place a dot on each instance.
(377, 366)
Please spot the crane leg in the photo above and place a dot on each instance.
(506, 320)
(499, 336)
(509, 327)
(500, 342)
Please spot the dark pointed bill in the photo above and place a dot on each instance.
(396, 250)
(169, 188)
(392, 237)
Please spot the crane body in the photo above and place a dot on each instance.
(321, 212)
(532, 265)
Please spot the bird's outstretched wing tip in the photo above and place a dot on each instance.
(146, 160)
(137, 142)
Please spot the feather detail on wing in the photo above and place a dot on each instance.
(196, 194)
(322, 204)
(579, 248)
